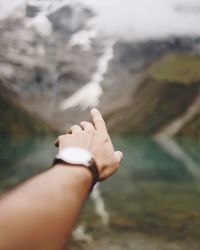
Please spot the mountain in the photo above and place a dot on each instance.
(56, 65)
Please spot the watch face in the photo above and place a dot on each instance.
(75, 156)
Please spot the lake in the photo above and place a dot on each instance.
(153, 202)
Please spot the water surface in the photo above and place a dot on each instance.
(151, 203)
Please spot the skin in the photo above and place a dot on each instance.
(41, 213)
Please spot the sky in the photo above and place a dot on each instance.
(147, 19)
(136, 19)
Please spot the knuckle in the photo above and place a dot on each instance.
(78, 129)
(103, 136)
(89, 132)
(87, 125)
(106, 139)
(60, 137)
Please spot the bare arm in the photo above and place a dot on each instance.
(41, 213)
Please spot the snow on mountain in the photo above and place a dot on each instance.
(56, 59)
(88, 96)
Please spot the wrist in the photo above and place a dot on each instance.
(78, 158)
(82, 175)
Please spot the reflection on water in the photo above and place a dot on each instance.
(153, 202)
(22, 158)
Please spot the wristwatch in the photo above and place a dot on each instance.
(75, 156)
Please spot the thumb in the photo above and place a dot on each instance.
(119, 156)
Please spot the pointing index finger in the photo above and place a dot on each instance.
(98, 121)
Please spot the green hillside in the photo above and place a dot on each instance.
(177, 68)
(18, 122)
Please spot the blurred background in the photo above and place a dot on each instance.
(138, 61)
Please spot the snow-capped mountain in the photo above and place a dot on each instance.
(57, 63)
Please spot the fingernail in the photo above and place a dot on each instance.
(94, 110)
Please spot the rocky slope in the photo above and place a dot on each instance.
(56, 67)
(168, 90)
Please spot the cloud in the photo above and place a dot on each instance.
(147, 19)
(131, 19)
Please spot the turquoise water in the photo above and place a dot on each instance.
(22, 158)
(153, 202)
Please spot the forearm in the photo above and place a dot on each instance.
(41, 213)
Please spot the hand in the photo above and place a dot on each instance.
(95, 138)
